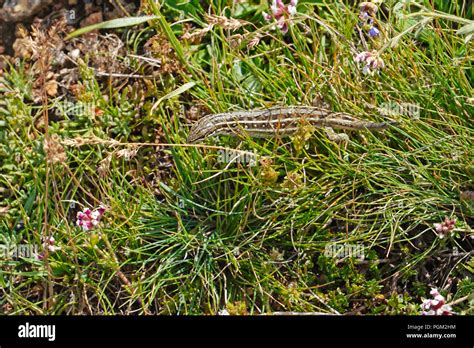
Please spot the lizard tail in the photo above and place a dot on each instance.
(380, 125)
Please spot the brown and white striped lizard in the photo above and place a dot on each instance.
(277, 121)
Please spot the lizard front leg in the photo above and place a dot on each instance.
(336, 137)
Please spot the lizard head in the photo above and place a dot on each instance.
(200, 131)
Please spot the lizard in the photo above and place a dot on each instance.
(277, 121)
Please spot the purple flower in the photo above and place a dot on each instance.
(364, 15)
(88, 219)
(367, 14)
(281, 14)
(374, 32)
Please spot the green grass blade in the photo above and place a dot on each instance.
(112, 24)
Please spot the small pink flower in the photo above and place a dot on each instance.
(371, 60)
(281, 13)
(445, 228)
(267, 16)
(292, 7)
(436, 306)
(88, 219)
(48, 244)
